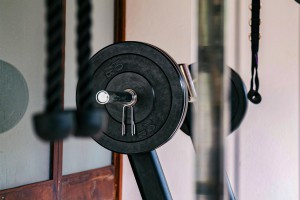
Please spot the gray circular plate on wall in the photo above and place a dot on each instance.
(13, 96)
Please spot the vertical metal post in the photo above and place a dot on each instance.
(209, 128)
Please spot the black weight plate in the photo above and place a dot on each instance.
(144, 90)
(238, 100)
(161, 93)
(188, 114)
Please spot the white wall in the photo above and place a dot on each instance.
(264, 152)
(169, 25)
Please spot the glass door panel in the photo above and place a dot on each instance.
(24, 158)
(84, 154)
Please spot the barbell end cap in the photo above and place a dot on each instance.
(55, 125)
(90, 122)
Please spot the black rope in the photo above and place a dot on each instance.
(54, 82)
(84, 89)
(253, 94)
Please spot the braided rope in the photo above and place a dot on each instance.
(54, 41)
(83, 53)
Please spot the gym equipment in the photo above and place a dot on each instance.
(88, 118)
(125, 76)
(149, 176)
(209, 140)
(160, 90)
(54, 123)
(145, 80)
(238, 103)
(238, 100)
(253, 94)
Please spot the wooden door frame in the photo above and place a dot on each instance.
(107, 179)
(119, 32)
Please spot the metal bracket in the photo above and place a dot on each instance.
(149, 176)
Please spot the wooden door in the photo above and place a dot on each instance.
(23, 24)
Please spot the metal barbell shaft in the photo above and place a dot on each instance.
(128, 97)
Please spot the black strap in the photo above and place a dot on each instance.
(253, 94)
